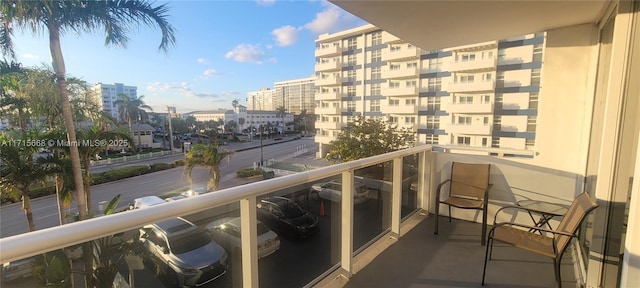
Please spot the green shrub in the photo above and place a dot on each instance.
(161, 166)
(179, 162)
(248, 172)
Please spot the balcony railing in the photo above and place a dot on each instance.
(471, 86)
(473, 65)
(403, 187)
(329, 81)
(328, 50)
(327, 125)
(470, 107)
(329, 66)
(400, 109)
(328, 110)
(471, 129)
(398, 91)
(404, 53)
(401, 73)
(328, 96)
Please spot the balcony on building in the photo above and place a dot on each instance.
(328, 96)
(327, 125)
(400, 109)
(330, 110)
(485, 107)
(455, 87)
(402, 54)
(469, 129)
(400, 91)
(326, 50)
(400, 73)
(329, 65)
(329, 81)
(390, 38)
(324, 139)
(487, 63)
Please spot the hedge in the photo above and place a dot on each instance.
(248, 172)
(97, 178)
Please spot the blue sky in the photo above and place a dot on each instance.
(224, 49)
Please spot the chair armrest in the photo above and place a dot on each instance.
(533, 228)
(507, 207)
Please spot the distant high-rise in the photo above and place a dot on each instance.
(261, 100)
(108, 94)
(295, 95)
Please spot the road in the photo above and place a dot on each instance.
(45, 209)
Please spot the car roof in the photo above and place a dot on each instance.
(174, 225)
(149, 200)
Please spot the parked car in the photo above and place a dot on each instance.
(145, 201)
(226, 232)
(18, 269)
(332, 191)
(195, 192)
(174, 198)
(188, 255)
(287, 217)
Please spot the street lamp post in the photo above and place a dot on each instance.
(261, 130)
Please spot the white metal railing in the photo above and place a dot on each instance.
(132, 158)
(41, 241)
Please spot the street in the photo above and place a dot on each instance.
(45, 209)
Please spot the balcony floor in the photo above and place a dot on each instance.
(454, 258)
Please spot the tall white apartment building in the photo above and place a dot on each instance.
(481, 95)
(108, 94)
(295, 95)
(261, 100)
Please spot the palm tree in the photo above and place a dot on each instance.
(113, 16)
(206, 156)
(98, 138)
(241, 122)
(132, 109)
(20, 170)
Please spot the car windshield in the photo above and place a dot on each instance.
(188, 242)
(262, 229)
(292, 210)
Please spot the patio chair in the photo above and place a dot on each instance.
(527, 237)
(468, 189)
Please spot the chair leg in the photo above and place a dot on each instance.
(487, 254)
(435, 230)
(484, 228)
(449, 213)
(556, 268)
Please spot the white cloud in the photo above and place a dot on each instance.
(246, 53)
(286, 35)
(266, 2)
(203, 61)
(332, 19)
(229, 93)
(29, 56)
(273, 60)
(325, 20)
(210, 72)
(157, 86)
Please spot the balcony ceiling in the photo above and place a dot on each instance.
(431, 24)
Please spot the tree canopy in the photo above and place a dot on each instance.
(369, 137)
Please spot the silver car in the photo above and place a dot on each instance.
(226, 231)
(189, 256)
(332, 191)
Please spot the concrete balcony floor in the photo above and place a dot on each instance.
(453, 258)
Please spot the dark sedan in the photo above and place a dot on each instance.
(287, 217)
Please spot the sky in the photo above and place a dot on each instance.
(224, 49)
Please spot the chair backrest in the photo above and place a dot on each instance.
(470, 180)
(577, 212)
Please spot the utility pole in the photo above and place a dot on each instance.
(170, 129)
